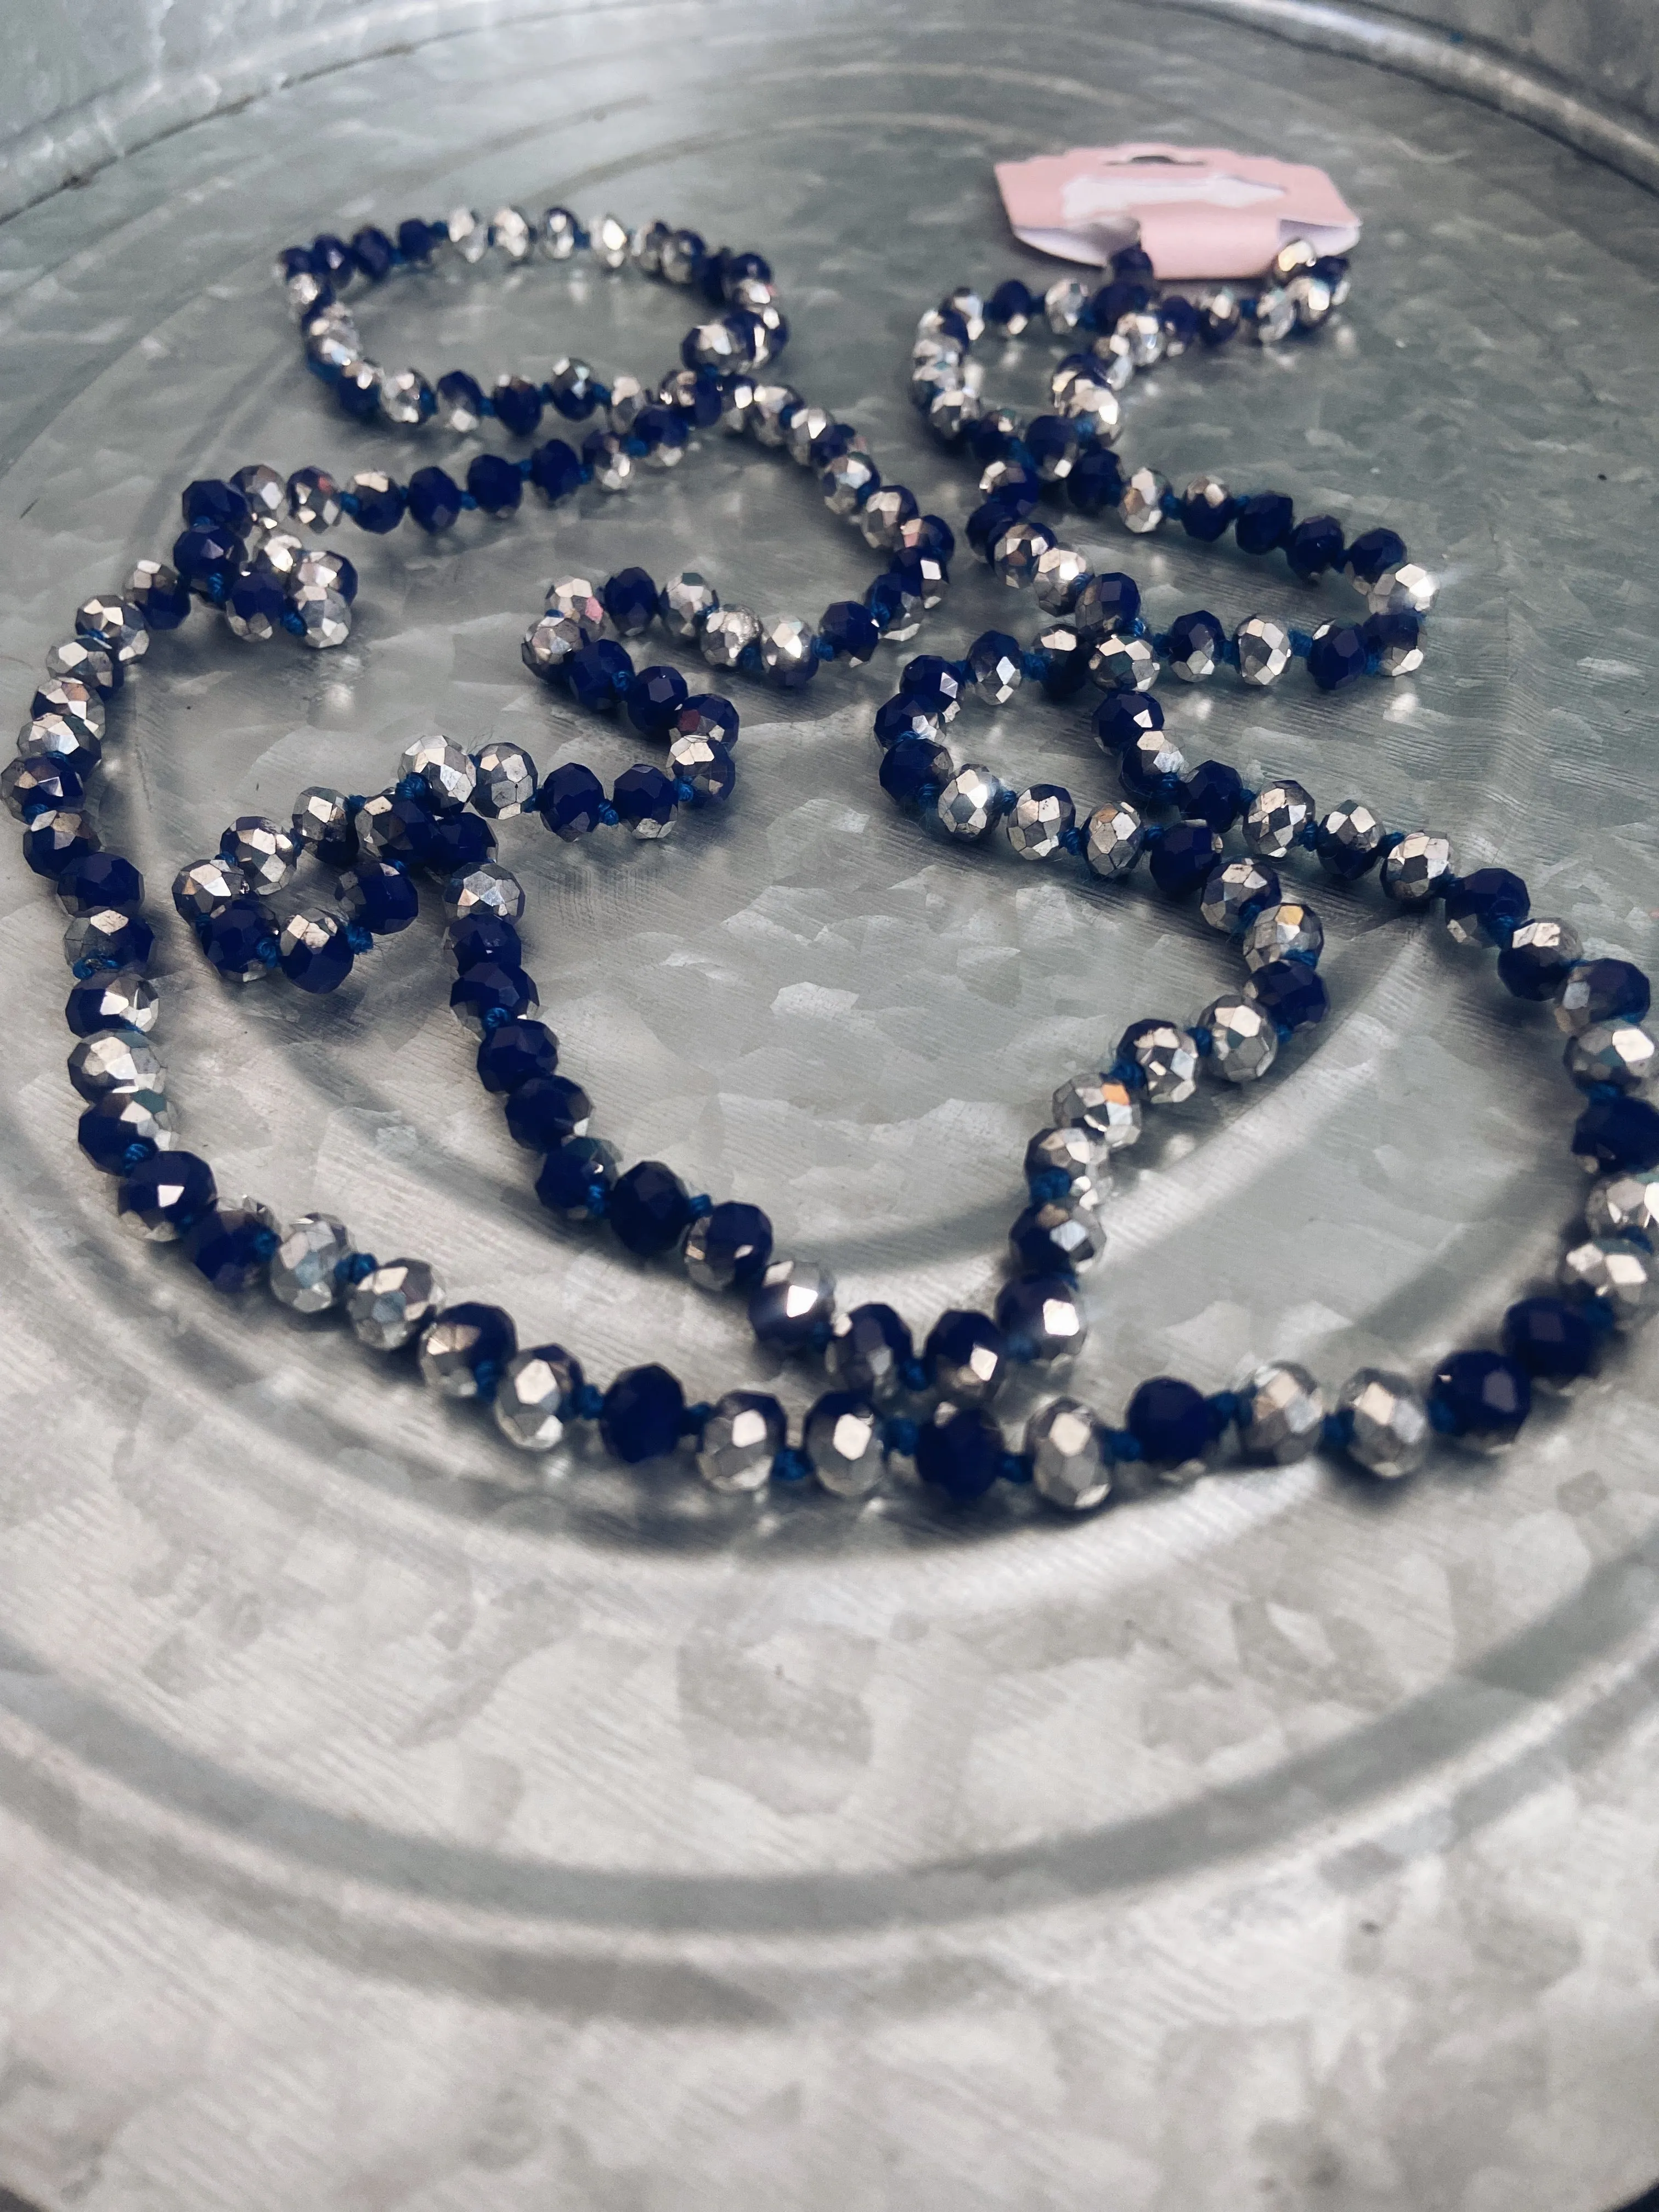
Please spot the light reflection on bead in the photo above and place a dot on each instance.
(1039, 822)
(1074, 1158)
(1404, 590)
(1101, 1104)
(726, 635)
(1289, 931)
(1624, 1206)
(740, 1439)
(1061, 573)
(1414, 870)
(505, 781)
(1281, 1412)
(1167, 1056)
(1243, 1041)
(486, 891)
(1123, 663)
(305, 1268)
(1066, 1443)
(1616, 1275)
(841, 1437)
(115, 1059)
(1275, 819)
(1140, 503)
(1264, 650)
(1114, 838)
(263, 850)
(445, 771)
(535, 1387)
(1387, 1422)
(971, 802)
(1620, 1055)
(206, 887)
(393, 1303)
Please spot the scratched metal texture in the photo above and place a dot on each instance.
(376, 1836)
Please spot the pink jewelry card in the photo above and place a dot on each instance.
(1196, 210)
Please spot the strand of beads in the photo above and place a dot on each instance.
(317, 279)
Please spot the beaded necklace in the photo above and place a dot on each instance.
(237, 553)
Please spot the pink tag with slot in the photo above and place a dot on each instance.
(1195, 210)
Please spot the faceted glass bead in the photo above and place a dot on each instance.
(1167, 1056)
(1114, 839)
(515, 1053)
(576, 1176)
(66, 698)
(1042, 1318)
(1481, 1398)
(489, 888)
(644, 1409)
(997, 667)
(1052, 442)
(1237, 893)
(959, 1451)
(1314, 545)
(464, 1350)
(1289, 931)
(1388, 1423)
(554, 470)
(55, 837)
(1276, 818)
(79, 661)
(471, 943)
(1053, 1237)
(94, 882)
(490, 994)
(161, 1197)
(788, 653)
(646, 802)
(1262, 521)
(561, 234)
(261, 851)
(314, 499)
(1281, 1413)
(324, 616)
(1071, 1463)
(841, 1437)
(1615, 1273)
(608, 459)
(915, 769)
(1349, 840)
(379, 895)
(40, 784)
(728, 1247)
(1244, 1039)
(1337, 655)
(1107, 605)
(1264, 650)
(1617, 1055)
(650, 1209)
(322, 824)
(1207, 510)
(1406, 589)
(504, 781)
(231, 1246)
(1617, 1135)
(314, 949)
(518, 402)
(155, 590)
(115, 1059)
(1065, 659)
(239, 941)
(1619, 1205)
(1123, 663)
(1555, 1342)
(792, 1305)
(1599, 991)
(262, 490)
(1485, 908)
(1040, 821)
(774, 407)
(742, 1437)
(1196, 643)
(122, 1127)
(1101, 1104)
(531, 1398)
(847, 481)
(395, 1302)
(61, 738)
(1538, 958)
(1291, 993)
(971, 802)
(868, 1352)
(546, 1111)
(1068, 1164)
(629, 599)
(111, 1002)
(108, 938)
(1061, 574)
(305, 1274)
(684, 603)
(1414, 869)
(966, 1358)
(570, 801)
(1141, 504)
(435, 501)
(116, 626)
(1394, 643)
(882, 514)
(550, 644)
(726, 635)
(1017, 552)
(445, 772)
(406, 397)
(1184, 857)
(1172, 1424)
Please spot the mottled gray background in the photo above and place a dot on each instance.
(372, 1836)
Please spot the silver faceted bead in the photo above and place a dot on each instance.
(266, 492)
(1016, 554)
(1236, 889)
(1103, 1105)
(726, 635)
(1063, 304)
(611, 462)
(685, 602)
(629, 398)
(314, 499)
(263, 851)
(786, 647)
(841, 1437)
(130, 1001)
(740, 1439)
(774, 403)
(397, 1302)
(115, 1059)
(847, 481)
(1123, 663)
(1039, 822)
(1141, 504)
(1167, 1056)
(1076, 1154)
(95, 938)
(1413, 871)
(321, 817)
(997, 674)
(66, 698)
(1281, 1412)
(487, 891)
(1264, 650)
(1615, 1273)
(535, 1387)
(805, 426)
(1619, 1053)
(446, 772)
(611, 242)
(550, 643)
(1624, 1206)
(506, 781)
(206, 888)
(1289, 931)
(1275, 818)
(1061, 574)
(117, 625)
(469, 234)
(1114, 838)
(510, 233)
(559, 233)
(449, 1350)
(406, 397)
(971, 802)
(880, 517)
(304, 1273)
(325, 616)
(1243, 1043)
(1071, 1466)
(1388, 1423)
(1404, 590)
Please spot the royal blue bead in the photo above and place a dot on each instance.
(318, 969)
(570, 801)
(99, 880)
(1494, 898)
(1033, 1246)
(1262, 521)
(1337, 655)
(1194, 633)
(1095, 482)
(1207, 521)
(519, 406)
(598, 676)
(1108, 307)
(1619, 1135)
(495, 482)
(130, 947)
(829, 444)
(472, 943)
(1534, 971)
(239, 935)
(405, 831)
(1050, 439)
(851, 629)
(1010, 302)
(85, 1009)
(556, 470)
(575, 400)
(207, 558)
(492, 992)
(1213, 792)
(163, 607)
(959, 1451)
(995, 515)
(1020, 1311)
(359, 397)
(572, 1178)
(1315, 545)
(53, 842)
(957, 1336)
(296, 261)
(911, 766)
(643, 1411)
(1132, 261)
(43, 783)
(934, 535)
(457, 842)
(378, 512)
(1123, 718)
(372, 251)
(1612, 991)
(737, 1240)
(654, 698)
(987, 442)
(106, 1135)
(1065, 670)
(381, 895)
(1146, 786)
(1170, 1421)
(1291, 993)
(1399, 628)
(928, 675)
(170, 1189)
(492, 1340)
(1183, 856)
(631, 600)
(1114, 606)
(231, 1246)
(1554, 1342)
(210, 503)
(434, 500)
(256, 594)
(1483, 1395)
(650, 1209)
(1345, 861)
(546, 1111)
(459, 390)
(416, 239)
(905, 716)
(1179, 317)
(709, 706)
(1377, 549)
(644, 794)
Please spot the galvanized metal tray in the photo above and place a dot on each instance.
(377, 1833)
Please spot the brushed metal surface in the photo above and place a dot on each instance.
(374, 1835)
